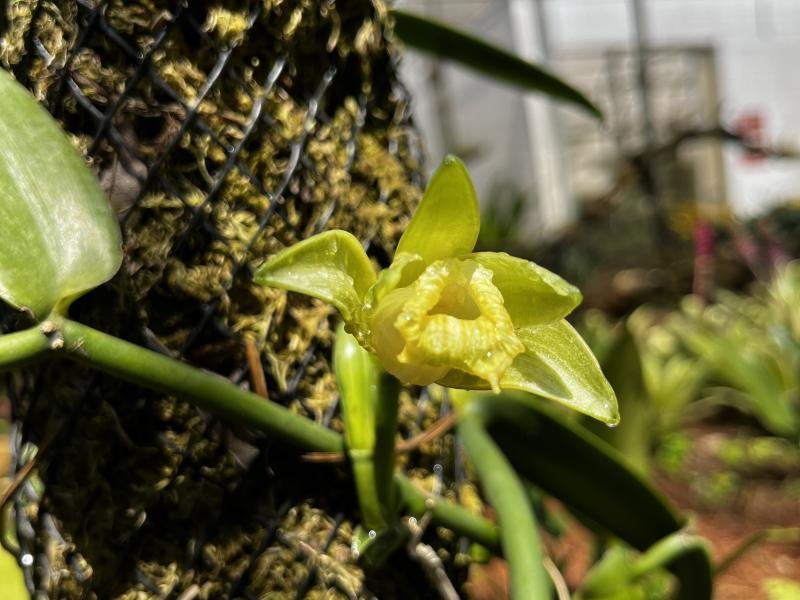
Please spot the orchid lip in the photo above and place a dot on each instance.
(451, 317)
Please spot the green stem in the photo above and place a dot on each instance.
(206, 390)
(666, 551)
(368, 493)
(388, 401)
(519, 534)
(688, 557)
(369, 401)
(219, 395)
(21, 347)
(446, 514)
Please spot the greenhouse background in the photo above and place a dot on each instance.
(708, 63)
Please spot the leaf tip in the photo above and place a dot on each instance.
(610, 413)
(451, 161)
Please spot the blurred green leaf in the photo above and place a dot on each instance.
(671, 379)
(635, 435)
(591, 478)
(782, 589)
(442, 40)
(748, 346)
(60, 237)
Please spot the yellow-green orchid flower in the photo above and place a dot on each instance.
(443, 313)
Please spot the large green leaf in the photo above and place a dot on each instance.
(437, 38)
(591, 478)
(59, 237)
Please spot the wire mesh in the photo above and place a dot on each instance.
(221, 133)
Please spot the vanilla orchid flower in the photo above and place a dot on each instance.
(443, 313)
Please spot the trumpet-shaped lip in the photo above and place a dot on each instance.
(451, 317)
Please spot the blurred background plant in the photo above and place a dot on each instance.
(751, 347)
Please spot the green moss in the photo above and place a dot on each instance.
(148, 493)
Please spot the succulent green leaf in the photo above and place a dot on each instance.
(591, 478)
(447, 220)
(556, 350)
(442, 40)
(331, 266)
(60, 237)
(575, 466)
(519, 530)
(532, 294)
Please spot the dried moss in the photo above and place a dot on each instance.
(145, 495)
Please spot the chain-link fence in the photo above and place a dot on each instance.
(222, 132)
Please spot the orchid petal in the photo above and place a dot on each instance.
(331, 266)
(389, 343)
(556, 364)
(447, 220)
(532, 294)
(557, 349)
(403, 270)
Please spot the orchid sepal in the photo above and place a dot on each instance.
(448, 219)
(331, 266)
